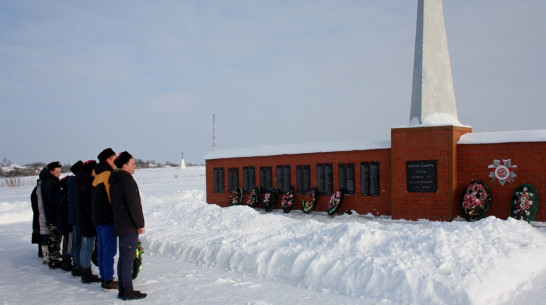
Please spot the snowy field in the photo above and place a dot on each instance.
(197, 253)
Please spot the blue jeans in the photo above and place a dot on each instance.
(127, 254)
(107, 248)
(88, 245)
(76, 248)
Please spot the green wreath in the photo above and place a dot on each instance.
(524, 203)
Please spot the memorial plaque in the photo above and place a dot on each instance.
(421, 176)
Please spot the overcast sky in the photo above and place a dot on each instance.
(147, 76)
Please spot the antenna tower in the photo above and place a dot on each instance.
(214, 132)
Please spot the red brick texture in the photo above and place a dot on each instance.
(425, 143)
(530, 159)
(457, 166)
(377, 205)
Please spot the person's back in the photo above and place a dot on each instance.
(71, 199)
(84, 223)
(50, 188)
(100, 202)
(65, 229)
(103, 219)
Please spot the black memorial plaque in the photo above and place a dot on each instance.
(421, 176)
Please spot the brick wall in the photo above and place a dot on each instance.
(530, 158)
(457, 166)
(418, 144)
(377, 205)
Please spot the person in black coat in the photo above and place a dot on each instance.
(84, 224)
(103, 219)
(76, 238)
(50, 188)
(36, 237)
(128, 221)
(64, 229)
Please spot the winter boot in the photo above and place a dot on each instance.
(77, 271)
(40, 251)
(111, 284)
(89, 277)
(55, 264)
(67, 262)
(45, 253)
(131, 295)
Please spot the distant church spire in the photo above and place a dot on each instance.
(432, 97)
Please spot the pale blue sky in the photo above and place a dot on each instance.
(146, 76)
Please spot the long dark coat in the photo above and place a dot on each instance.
(36, 237)
(84, 224)
(126, 204)
(100, 203)
(50, 188)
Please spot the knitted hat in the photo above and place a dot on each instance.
(123, 158)
(53, 165)
(105, 154)
(88, 166)
(75, 168)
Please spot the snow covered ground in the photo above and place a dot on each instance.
(197, 253)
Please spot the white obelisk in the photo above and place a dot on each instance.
(432, 99)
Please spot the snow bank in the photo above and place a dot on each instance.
(503, 137)
(417, 262)
(291, 149)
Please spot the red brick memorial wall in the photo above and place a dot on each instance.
(379, 204)
(424, 167)
(530, 159)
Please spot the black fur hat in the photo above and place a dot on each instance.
(123, 158)
(75, 168)
(105, 154)
(53, 165)
(88, 166)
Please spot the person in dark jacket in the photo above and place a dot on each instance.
(76, 238)
(64, 228)
(36, 236)
(84, 224)
(128, 221)
(103, 219)
(44, 229)
(50, 188)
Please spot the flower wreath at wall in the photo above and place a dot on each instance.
(475, 200)
(335, 202)
(270, 199)
(236, 196)
(254, 197)
(308, 202)
(288, 200)
(524, 204)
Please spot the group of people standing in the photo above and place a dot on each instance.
(96, 205)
